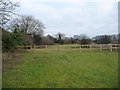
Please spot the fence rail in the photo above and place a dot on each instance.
(100, 47)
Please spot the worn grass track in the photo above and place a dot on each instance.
(64, 69)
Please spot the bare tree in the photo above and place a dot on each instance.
(7, 11)
(28, 25)
(32, 25)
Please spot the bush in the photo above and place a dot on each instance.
(10, 40)
(7, 43)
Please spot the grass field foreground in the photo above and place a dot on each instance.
(46, 68)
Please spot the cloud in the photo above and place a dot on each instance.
(74, 16)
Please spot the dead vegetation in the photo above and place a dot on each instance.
(10, 59)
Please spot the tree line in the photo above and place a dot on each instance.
(83, 39)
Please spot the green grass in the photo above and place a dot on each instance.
(46, 68)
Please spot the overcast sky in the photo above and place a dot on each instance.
(71, 17)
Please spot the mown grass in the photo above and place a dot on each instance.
(46, 68)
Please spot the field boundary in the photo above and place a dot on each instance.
(90, 47)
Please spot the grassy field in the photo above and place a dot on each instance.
(46, 68)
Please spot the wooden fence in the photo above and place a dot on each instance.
(23, 47)
(100, 47)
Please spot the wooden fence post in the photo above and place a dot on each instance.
(46, 46)
(100, 47)
(111, 47)
(90, 47)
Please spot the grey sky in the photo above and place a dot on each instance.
(91, 17)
